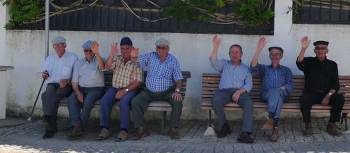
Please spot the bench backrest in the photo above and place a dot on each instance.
(108, 76)
(210, 83)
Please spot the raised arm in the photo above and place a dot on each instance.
(214, 62)
(214, 52)
(305, 42)
(112, 53)
(259, 47)
(95, 50)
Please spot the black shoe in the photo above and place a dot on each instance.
(307, 132)
(224, 131)
(48, 134)
(244, 137)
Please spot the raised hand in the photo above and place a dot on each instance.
(216, 41)
(261, 43)
(94, 47)
(114, 49)
(305, 42)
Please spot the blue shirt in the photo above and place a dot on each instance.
(233, 76)
(88, 74)
(274, 77)
(59, 68)
(160, 76)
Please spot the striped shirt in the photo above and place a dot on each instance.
(274, 77)
(233, 76)
(124, 74)
(160, 76)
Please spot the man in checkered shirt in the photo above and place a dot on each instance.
(163, 82)
(127, 77)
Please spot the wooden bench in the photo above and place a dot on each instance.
(210, 83)
(160, 106)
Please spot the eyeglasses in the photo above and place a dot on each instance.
(162, 47)
(87, 50)
(320, 48)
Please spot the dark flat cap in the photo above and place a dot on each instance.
(126, 41)
(321, 42)
(275, 47)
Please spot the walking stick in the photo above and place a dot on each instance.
(36, 100)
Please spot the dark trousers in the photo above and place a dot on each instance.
(308, 99)
(50, 100)
(223, 97)
(142, 100)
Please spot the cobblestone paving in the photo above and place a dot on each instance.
(27, 138)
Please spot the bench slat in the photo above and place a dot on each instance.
(210, 83)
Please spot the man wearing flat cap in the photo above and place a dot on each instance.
(88, 85)
(277, 83)
(235, 85)
(163, 82)
(127, 77)
(57, 70)
(321, 85)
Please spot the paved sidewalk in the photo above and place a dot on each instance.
(27, 138)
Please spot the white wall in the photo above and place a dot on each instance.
(25, 51)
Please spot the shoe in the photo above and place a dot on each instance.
(140, 133)
(274, 135)
(307, 132)
(104, 134)
(75, 133)
(122, 136)
(48, 134)
(50, 130)
(244, 137)
(174, 133)
(333, 130)
(224, 131)
(268, 125)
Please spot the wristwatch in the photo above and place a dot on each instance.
(177, 90)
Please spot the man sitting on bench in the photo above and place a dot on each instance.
(277, 83)
(321, 85)
(235, 83)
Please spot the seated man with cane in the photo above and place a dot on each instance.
(57, 70)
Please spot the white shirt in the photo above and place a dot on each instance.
(59, 68)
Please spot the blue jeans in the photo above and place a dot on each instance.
(79, 113)
(274, 98)
(107, 102)
(223, 97)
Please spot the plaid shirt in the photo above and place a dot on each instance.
(124, 74)
(160, 76)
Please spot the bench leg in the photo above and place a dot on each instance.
(162, 122)
(210, 120)
(344, 119)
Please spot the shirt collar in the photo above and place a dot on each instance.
(166, 59)
(278, 67)
(93, 60)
